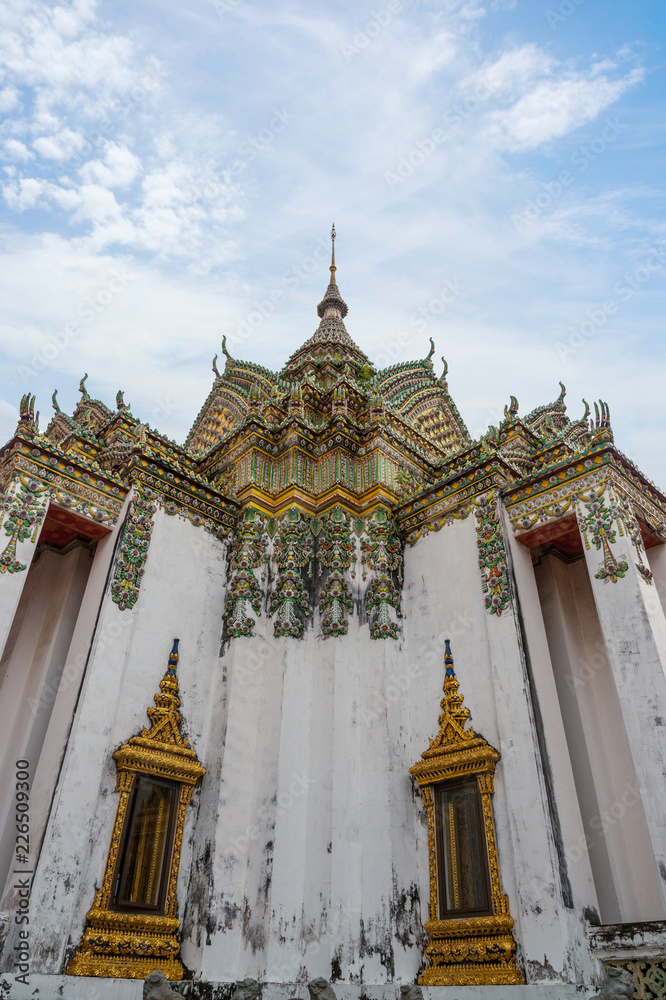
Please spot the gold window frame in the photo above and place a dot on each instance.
(467, 950)
(126, 943)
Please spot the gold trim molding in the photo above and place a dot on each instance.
(466, 951)
(128, 945)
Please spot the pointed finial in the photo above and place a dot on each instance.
(54, 400)
(224, 349)
(452, 702)
(217, 374)
(333, 268)
(173, 659)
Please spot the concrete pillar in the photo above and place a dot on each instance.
(615, 836)
(35, 657)
(633, 626)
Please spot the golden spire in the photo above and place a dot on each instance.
(451, 703)
(333, 268)
(165, 718)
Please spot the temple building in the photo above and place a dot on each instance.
(330, 690)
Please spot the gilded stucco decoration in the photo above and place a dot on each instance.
(492, 557)
(599, 520)
(293, 551)
(244, 592)
(119, 944)
(475, 950)
(336, 550)
(133, 553)
(633, 531)
(23, 508)
(382, 553)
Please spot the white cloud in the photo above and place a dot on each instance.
(554, 107)
(64, 144)
(9, 99)
(25, 193)
(16, 150)
(118, 168)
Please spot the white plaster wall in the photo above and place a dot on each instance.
(181, 595)
(310, 855)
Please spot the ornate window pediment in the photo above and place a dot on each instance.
(132, 926)
(469, 925)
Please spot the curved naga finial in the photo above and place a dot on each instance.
(560, 398)
(120, 401)
(224, 349)
(442, 377)
(431, 352)
(587, 410)
(215, 369)
(54, 400)
(511, 410)
(82, 387)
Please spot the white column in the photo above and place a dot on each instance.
(634, 631)
(553, 719)
(615, 835)
(48, 613)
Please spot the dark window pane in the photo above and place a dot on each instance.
(146, 846)
(462, 857)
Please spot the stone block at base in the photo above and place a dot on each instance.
(83, 988)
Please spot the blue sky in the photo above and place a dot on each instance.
(170, 172)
